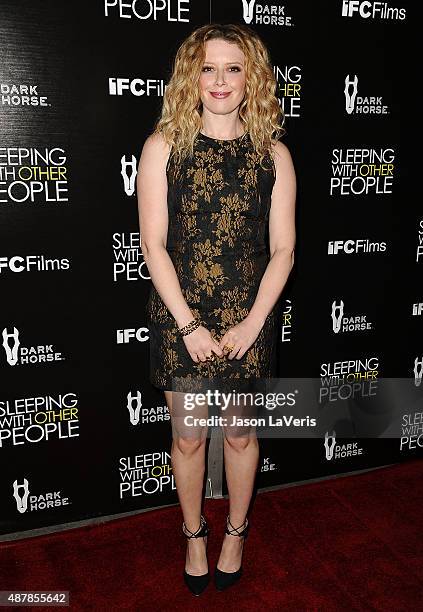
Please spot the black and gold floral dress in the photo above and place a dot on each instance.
(218, 205)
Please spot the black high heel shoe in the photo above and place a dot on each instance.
(223, 580)
(197, 584)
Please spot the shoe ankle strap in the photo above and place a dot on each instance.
(235, 531)
(201, 532)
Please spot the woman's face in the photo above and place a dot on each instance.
(223, 72)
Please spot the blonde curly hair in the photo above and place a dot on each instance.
(260, 112)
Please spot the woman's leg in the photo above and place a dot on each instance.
(241, 453)
(188, 466)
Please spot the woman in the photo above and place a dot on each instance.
(216, 197)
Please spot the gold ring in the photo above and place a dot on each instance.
(229, 346)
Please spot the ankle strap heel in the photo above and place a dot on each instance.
(235, 531)
(201, 532)
(223, 580)
(196, 584)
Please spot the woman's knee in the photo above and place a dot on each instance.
(189, 445)
(240, 441)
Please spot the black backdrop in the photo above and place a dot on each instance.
(81, 85)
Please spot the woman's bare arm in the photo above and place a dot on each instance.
(281, 237)
(153, 218)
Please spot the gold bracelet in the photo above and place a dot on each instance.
(190, 327)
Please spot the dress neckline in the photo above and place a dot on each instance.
(221, 139)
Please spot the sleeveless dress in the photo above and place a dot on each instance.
(218, 206)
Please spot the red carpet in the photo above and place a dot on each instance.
(352, 543)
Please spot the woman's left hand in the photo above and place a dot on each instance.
(241, 336)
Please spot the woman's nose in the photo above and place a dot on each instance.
(220, 79)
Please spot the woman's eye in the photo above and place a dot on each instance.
(206, 68)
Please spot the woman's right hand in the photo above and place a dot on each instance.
(200, 344)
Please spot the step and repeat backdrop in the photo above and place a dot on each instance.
(83, 434)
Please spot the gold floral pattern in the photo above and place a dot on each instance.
(218, 203)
